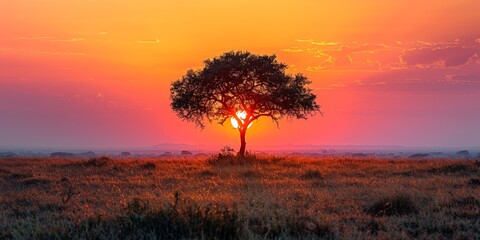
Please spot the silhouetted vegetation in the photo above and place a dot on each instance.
(97, 162)
(257, 85)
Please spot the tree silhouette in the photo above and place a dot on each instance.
(242, 82)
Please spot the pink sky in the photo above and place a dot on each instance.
(83, 73)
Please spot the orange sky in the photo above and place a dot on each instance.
(97, 73)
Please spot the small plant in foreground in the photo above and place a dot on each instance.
(226, 151)
(226, 157)
(68, 194)
(182, 219)
(138, 206)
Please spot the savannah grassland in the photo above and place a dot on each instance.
(227, 198)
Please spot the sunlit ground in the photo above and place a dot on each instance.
(275, 197)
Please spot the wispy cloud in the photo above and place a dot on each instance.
(68, 40)
(39, 37)
(365, 56)
(451, 56)
(38, 51)
(318, 43)
(292, 50)
(149, 41)
(50, 38)
(463, 78)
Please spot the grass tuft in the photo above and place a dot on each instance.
(452, 168)
(474, 182)
(392, 206)
(35, 181)
(98, 162)
(149, 166)
(229, 160)
(312, 175)
(181, 219)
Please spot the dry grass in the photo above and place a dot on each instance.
(254, 198)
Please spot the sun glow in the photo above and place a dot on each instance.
(242, 115)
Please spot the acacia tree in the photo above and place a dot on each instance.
(242, 82)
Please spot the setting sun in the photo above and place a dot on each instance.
(242, 115)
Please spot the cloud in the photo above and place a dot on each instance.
(149, 41)
(380, 56)
(438, 57)
(68, 40)
(39, 37)
(292, 50)
(37, 51)
(463, 78)
(318, 43)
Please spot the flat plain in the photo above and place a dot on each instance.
(228, 198)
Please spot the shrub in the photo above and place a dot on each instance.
(392, 205)
(149, 165)
(248, 159)
(312, 174)
(226, 151)
(98, 162)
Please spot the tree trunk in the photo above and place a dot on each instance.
(243, 143)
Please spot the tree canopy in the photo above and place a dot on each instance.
(242, 81)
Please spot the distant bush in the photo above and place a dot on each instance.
(419, 155)
(98, 162)
(149, 165)
(312, 174)
(62, 154)
(221, 159)
(125, 154)
(463, 153)
(226, 151)
(392, 205)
